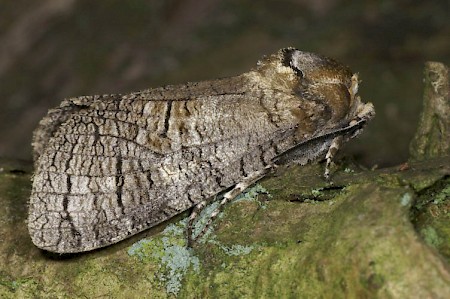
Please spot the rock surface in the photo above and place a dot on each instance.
(371, 234)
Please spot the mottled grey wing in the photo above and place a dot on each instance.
(118, 165)
(51, 122)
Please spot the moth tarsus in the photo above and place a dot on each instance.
(332, 150)
(110, 166)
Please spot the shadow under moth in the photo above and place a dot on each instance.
(110, 166)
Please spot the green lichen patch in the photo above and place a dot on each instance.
(319, 194)
(431, 237)
(169, 251)
(430, 215)
(406, 200)
(252, 194)
(442, 196)
(235, 249)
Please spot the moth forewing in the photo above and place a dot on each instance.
(108, 167)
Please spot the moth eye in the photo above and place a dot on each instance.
(297, 71)
(290, 61)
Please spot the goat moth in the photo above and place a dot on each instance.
(110, 166)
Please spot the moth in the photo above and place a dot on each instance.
(110, 166)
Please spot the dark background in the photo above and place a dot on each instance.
(53, 49)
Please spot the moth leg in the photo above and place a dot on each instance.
(332, 150)
(227, 197)
(194, 214)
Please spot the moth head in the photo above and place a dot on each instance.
(315, 78)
